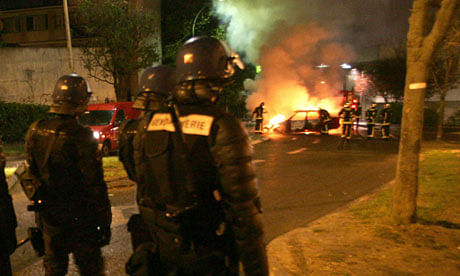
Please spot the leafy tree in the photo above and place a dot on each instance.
(178, 26)
(119, 42)
(445, 71)
(232, 99)
(424, 36)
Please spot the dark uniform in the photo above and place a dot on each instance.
(75, 214)
(385, 114)
(347, 115)
(7, 221)
(156, 85)
(324, 119)
(371, 115)
(358, 112)
(200, 197)
(259, 113)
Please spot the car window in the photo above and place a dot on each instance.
(120, 116)
(299, 116)
(96, 117)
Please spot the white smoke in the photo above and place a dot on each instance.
(288, 38)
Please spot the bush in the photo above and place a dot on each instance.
(16, 118)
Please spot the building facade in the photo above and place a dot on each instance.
(34, 53)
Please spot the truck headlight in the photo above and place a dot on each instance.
(96, 134)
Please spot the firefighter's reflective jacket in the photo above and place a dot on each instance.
(221, 208)
(347, 114)
(386, 116)
(371, 115)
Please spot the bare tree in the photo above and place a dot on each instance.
(424, 36)
(445, 70)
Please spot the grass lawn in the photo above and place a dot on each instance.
(362, 240)
(113, 168)
(13, 149)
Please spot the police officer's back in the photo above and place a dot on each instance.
(7, 221)
(155, 87)
(74, 213)
(202, 194)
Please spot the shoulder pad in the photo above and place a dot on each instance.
(228, 129)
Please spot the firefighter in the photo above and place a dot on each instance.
(371, 115)
(8, 221)
(385, 114)
(259, 114)
(73, 210)
(155, 86)
(347, 116)
(324, 118)
(357, 115)
(201, 200)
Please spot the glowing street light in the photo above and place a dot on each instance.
(345, 66)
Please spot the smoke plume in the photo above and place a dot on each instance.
(289, 38)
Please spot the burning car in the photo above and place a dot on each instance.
(303, 121)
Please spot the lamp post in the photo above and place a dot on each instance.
(68, 37)
(195, 19)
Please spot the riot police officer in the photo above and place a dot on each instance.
(347, 115)
(155, 86)
(8, 221)
(371, 115)
(201, 199)
(73, 211)
(385, 114)
(259, 113)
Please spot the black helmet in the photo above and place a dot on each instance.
(156, 84)
(70, 95)
(203, 66)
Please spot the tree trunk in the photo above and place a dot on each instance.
(442, 106)
(134, 85)
(406, 182)
(125, 88)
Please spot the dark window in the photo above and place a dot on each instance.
(11, 25)
(96, 118)
(59, 21)
(120, 116)
(37, 22)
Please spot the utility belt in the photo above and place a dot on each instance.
(197, 222)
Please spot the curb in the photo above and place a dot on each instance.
(280, 245)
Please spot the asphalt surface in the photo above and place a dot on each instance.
(301, 178)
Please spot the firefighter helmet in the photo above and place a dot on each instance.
(156, 84)
(70, 95)
(347, 104)
(203, 67)
(387, 105)
(374, 105)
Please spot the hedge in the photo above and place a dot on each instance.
(15, 119)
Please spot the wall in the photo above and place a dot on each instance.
(28, 74)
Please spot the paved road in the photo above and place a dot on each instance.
(301, 178)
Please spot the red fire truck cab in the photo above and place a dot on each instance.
(105, 119)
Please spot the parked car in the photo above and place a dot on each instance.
(105, 119)
(306, 120)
